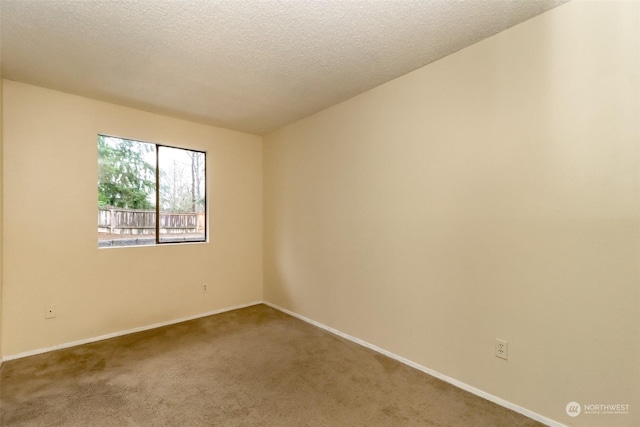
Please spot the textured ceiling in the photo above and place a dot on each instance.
(250, 65)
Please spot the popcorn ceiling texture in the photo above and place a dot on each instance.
(247, 65)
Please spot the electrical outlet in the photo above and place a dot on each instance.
(501, 348)
(50, 311)
(204, 287)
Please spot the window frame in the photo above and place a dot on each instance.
(157, 236)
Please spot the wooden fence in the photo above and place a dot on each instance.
(135, 221)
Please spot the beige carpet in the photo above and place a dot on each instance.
(250, 367)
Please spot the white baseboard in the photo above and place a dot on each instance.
(120, 333)
(452, 381)
(495, 399)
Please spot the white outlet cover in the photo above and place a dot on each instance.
(502, 348)
(50, 312)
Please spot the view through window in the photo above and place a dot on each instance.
(139, 182)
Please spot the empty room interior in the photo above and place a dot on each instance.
(400, 213)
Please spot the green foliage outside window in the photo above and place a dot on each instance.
(126, 178)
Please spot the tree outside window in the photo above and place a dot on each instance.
(139, 182)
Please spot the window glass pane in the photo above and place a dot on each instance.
(126, 192)
(182, 195)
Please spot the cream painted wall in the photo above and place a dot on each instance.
(1, 210)
(50, 200)
(494, 193)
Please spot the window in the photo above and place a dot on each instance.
(139, 182)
